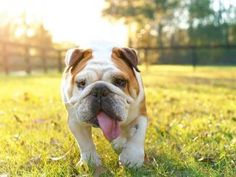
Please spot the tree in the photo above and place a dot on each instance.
(154, 23)
(145, 20)
(146, 15)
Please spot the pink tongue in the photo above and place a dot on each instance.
(110, 127)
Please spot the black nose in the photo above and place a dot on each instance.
(100, 90)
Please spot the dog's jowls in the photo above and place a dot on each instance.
(102, 87)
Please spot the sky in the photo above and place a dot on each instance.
(77, 21)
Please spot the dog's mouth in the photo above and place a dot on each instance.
(109, 126)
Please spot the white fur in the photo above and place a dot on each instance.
(131, 140)
(133, 152)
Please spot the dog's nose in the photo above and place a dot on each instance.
(100, 90)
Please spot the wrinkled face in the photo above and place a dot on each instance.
(102, 83)
(101, 90)
(100, 87)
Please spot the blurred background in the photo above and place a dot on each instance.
(34, 35)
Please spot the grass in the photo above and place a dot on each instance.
(192, 128)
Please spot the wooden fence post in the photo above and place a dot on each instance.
(27, 60)
(194, 57)
(146, 58)
(5, 58)
(59, 58)
(44, 61)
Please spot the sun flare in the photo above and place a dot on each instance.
(72, 20)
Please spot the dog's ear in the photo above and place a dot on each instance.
(129, 55)
(75, 55)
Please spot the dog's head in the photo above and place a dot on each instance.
(103, 87)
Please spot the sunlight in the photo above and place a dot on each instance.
(19, 32)
(71, 20)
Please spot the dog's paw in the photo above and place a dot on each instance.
(118, 144)
(89, 158)
(132, 156)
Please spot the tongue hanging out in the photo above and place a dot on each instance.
(110, 127)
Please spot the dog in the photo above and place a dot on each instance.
(102, 87)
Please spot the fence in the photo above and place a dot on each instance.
(189, 54)
(16, 56)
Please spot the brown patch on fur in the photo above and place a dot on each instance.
(129, 56)
(74, 70)
(71, 71)
(126, 71)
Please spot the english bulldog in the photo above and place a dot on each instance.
(102, 87)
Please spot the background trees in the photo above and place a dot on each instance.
(24, 31)
(158, 23)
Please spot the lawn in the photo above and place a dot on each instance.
(192, 127)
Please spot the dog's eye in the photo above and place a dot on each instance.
(119, 82)
(81, 83)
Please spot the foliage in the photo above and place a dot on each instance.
(171, 13)
(200, 9)
(192, 128)
(22, 31)
(147, 15)
(156, 23)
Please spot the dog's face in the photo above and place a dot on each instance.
(101, 87)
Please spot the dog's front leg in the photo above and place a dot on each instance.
(83, 136)
(132, 154)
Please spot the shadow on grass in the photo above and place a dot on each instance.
(160, 165)
(163, 165)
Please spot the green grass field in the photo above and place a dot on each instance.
(192, 128)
